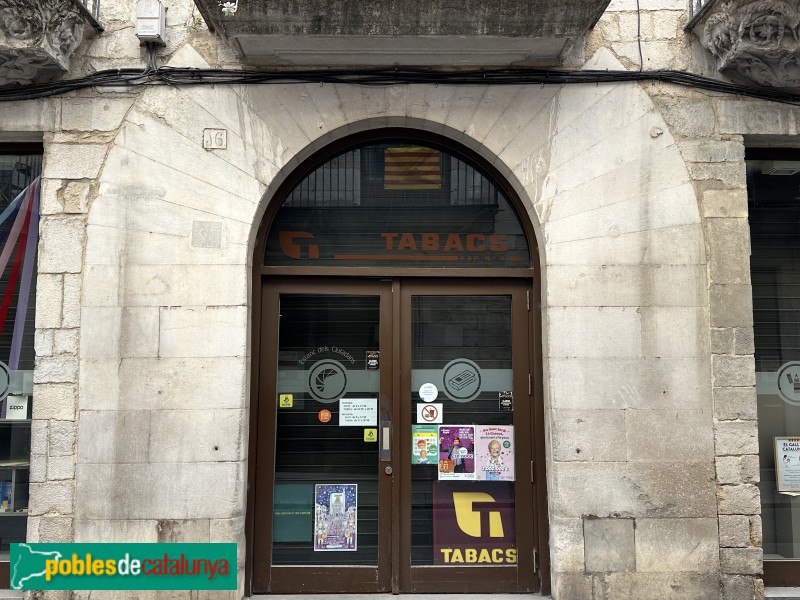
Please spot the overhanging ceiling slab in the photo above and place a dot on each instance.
(410, 33)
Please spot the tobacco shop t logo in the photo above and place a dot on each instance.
(293, 250)
(475, 510)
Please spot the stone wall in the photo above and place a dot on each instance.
(637, 196)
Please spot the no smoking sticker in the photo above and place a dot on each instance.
(429, 413)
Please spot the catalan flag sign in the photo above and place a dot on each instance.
(412, 168)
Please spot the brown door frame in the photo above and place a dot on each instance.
(392, 573)
(521, 577)
(267, 578)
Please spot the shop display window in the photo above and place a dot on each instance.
(19, 226)
(774, 213)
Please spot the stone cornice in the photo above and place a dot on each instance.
(37, 38)
(758, 42)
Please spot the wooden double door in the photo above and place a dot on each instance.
(396, 438)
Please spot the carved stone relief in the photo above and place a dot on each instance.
(757, 41)
(37, 38)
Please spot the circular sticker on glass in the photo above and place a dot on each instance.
(327, 380)
(428, 392)
(324, 415)
(462, 380)
(5, 380)
(789, 382)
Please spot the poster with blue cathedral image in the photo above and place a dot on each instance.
(335, 517)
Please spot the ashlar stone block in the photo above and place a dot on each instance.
(736, 437)
(128, 531)
(51, 497)
(172, 383)
(729, 470)
(731, 305)
(722, 340)
(676, 545)
(60, 467)
(751, 468)
(737, 587)
(575, 586)
(724, 203)
(668, 436)
(735, 371)
(49, 296)
(43, 342)
(65, 341)
(55, 401)
(747, 561)
(604, 383)
(732, 403)
(94, 114)
(61, 244)
(56, 370)
(173, 530)
(654, 490)
(113, 436)
(626, 285)
(56, 529)
(203, 331)
(164, 491)
(756, 531)
(673, 245)
(72, 301)
(62, 438)
(729, 248)
(609, 544)
(196, 436)
(660, 586)
(616, 332)
(739, 500)
(74, 161)
(745, 340)
(734, 531)
(674, 331)
(588, 435)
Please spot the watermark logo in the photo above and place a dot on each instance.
(123, 566)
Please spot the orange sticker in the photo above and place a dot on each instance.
(324, 415)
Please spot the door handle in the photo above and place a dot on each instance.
(386, 441)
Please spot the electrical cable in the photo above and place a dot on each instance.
(180, 76)
(639, 34)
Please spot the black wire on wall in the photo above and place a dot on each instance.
(382, 77)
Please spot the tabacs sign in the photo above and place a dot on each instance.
(473, 523)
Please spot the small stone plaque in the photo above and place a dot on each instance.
(215, 139)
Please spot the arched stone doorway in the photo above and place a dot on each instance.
(397, 437)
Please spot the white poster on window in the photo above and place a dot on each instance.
(358, 412)
(787, 464)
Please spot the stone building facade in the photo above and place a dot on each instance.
(636, 194)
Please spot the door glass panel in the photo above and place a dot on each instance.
(326, 458)
(400, 205)
(462, 473)
(775, 271)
